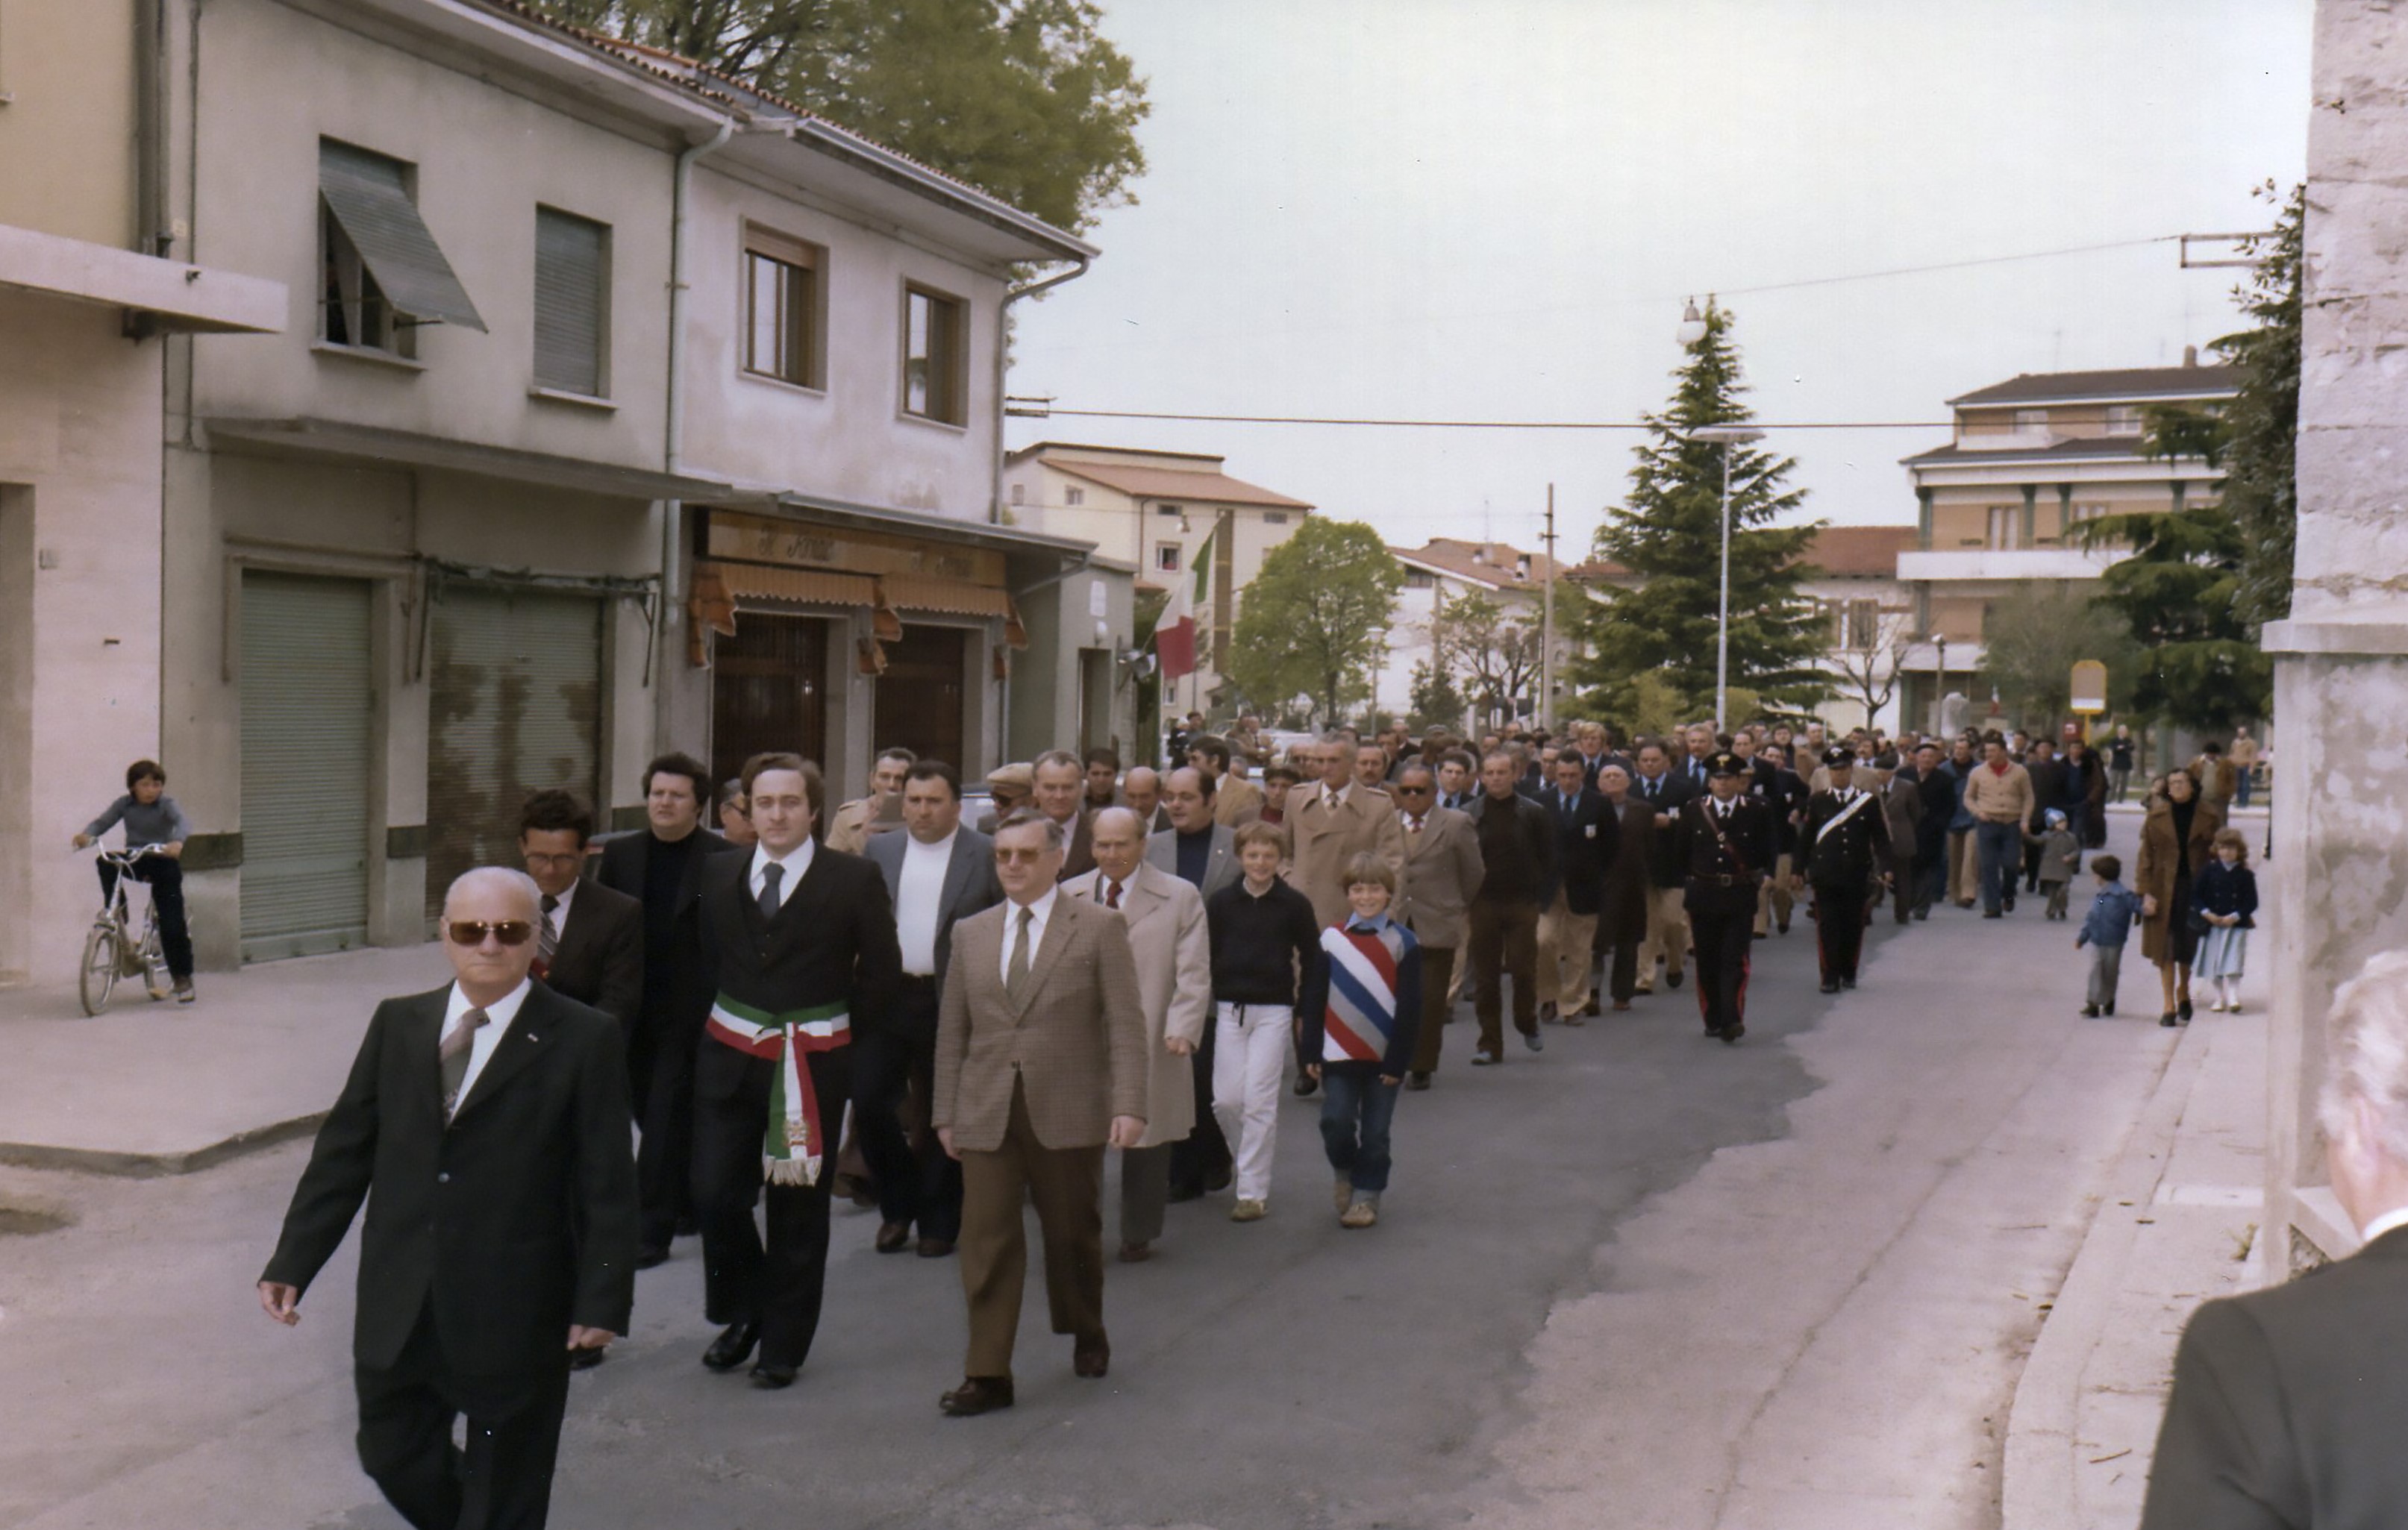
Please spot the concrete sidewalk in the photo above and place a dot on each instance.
(150, 1088)
(2175, 1229)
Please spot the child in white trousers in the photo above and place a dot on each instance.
(1264, 946)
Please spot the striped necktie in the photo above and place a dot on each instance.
(454, 1057)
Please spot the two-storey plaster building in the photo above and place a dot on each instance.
(615, 408)
(2031, 457)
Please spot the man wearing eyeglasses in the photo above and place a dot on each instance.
(804, 946)
(489, 1120)
(1443, 873)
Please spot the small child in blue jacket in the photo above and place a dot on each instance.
(2113, 913)
(1358, 1016)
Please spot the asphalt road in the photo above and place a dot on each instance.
(1475, 1358)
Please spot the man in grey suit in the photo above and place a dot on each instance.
(937, 872)
(1195, 849)
(1040, 1063)
(2287, 1402)
(1443, 872)
(1174, 974)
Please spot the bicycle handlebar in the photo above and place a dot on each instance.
(131, 854)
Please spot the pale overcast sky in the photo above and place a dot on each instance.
(1495, 210)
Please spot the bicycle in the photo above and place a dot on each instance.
(111, 950)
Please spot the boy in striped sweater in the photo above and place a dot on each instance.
(1361, 1007)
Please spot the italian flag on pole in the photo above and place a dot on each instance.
(1174, 633)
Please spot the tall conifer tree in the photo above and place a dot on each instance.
(1668, 533)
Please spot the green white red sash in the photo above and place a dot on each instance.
(795, 1143)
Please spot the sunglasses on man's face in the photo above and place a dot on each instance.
(509, 932)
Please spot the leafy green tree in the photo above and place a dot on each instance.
(2033, 637)
(1313, 621)
(2260, 488)
(1027, 99)
(2178, 593)
(1496, 648)
(1669, 533)
(1434, 698)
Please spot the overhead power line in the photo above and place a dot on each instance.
(1037, 410)
(1954, 265)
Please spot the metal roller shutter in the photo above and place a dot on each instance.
(571, 269)
(306, 698)
(517, 707)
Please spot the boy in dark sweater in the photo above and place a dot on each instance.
(1265, 948)
(1361, 1013)
(151, 818)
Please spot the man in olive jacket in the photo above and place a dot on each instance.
(488, 1120)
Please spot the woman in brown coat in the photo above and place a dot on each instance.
(2176, 844)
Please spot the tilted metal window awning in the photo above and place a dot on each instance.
(369, 200)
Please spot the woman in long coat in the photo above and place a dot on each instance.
(2177, 840)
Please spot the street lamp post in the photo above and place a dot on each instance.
(1727, 436)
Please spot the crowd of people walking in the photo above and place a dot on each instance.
(948, 1020)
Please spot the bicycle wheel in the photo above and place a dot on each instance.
(98, 974)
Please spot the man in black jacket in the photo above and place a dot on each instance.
(1843, 851)
(1663, 791)
(662, 870)
(1588, 834)
(590, 945)
(1517, 852)
(802, 944)
(2047, 773)
(489, 1121)
(1938, 789)
(1784, 791)
(1724, 842)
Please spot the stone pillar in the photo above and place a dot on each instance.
(2337, 886)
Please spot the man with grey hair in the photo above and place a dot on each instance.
(2287, 1402)
(489, 1120)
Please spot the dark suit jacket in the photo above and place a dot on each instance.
(515, 1221)
(833, 941)
(1622, 907)
(1534, 828)
(1587, 842)
(2048, 791)
(685, 981)
(970, 882)
(600, 960)
(1665, 865)
(1743, 849)
(2287, 1404)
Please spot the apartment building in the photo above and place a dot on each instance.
(2030, 458)
(613, 408)
(89, 294)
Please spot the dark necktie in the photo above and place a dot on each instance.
(1015, 976)
(454, 1056)
(772, 875)
(547, 942)
(1112, 896)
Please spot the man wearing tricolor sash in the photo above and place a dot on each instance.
(805, 952)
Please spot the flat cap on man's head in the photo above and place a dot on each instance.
(1012, 777)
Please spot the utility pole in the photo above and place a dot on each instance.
(1547, 626)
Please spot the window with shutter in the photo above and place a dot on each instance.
(381, 271)
(572, 273)
(936, 357)
(783, 319)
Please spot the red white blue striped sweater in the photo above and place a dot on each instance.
(1362, 1004)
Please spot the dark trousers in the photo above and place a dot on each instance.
(1930, 876)
(1067, 1185)
(1626, 929)
(501, 1482)
(1504, 937)
(780, 1283)
(1145, 1192)
(920, 1184)
(2000, 846)
(1438, 971)
(1903, 890)
(660, 1081)
(1355, 1111)
(164, 875)
(2031, 867)
(1838, 930)
(1723, 938)
(1203, 1154)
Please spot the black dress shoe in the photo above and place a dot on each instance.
(1847, 983)
(1783, 926)
(1830, 985)
(1592, 1007)
(1219, 1180)
(936, 1247)
(733, 1346)
(976, 1395)
(1733, 1030)
(1092, 1357)
(1671, 979)
(1306, 1083)
(2183, 1010)
(649, 1258)
(2169, 1020)
(586, 1359)
(769, 1378)
(892, 1236)
(1417, 1081)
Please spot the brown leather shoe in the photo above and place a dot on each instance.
(1621, 1006)
(1136, 1253)
(976, 1395)
(892, 1236)
(936, 1247)
(1092, 1357)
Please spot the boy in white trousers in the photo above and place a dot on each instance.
(1265, 946)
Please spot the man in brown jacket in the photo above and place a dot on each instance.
(1998, 795)
(1443, 872)
(1041, 1061)
(1336, 819)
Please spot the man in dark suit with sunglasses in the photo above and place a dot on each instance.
(489, 1120)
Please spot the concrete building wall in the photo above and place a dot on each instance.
(80, 629)
(68, 145)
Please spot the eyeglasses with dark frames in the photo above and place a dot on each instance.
(472, 932)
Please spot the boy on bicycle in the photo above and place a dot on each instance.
(151, 818)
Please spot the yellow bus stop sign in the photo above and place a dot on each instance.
(2089, 688)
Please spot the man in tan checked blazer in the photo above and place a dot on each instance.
(1042, 1061)
(1331, 823)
